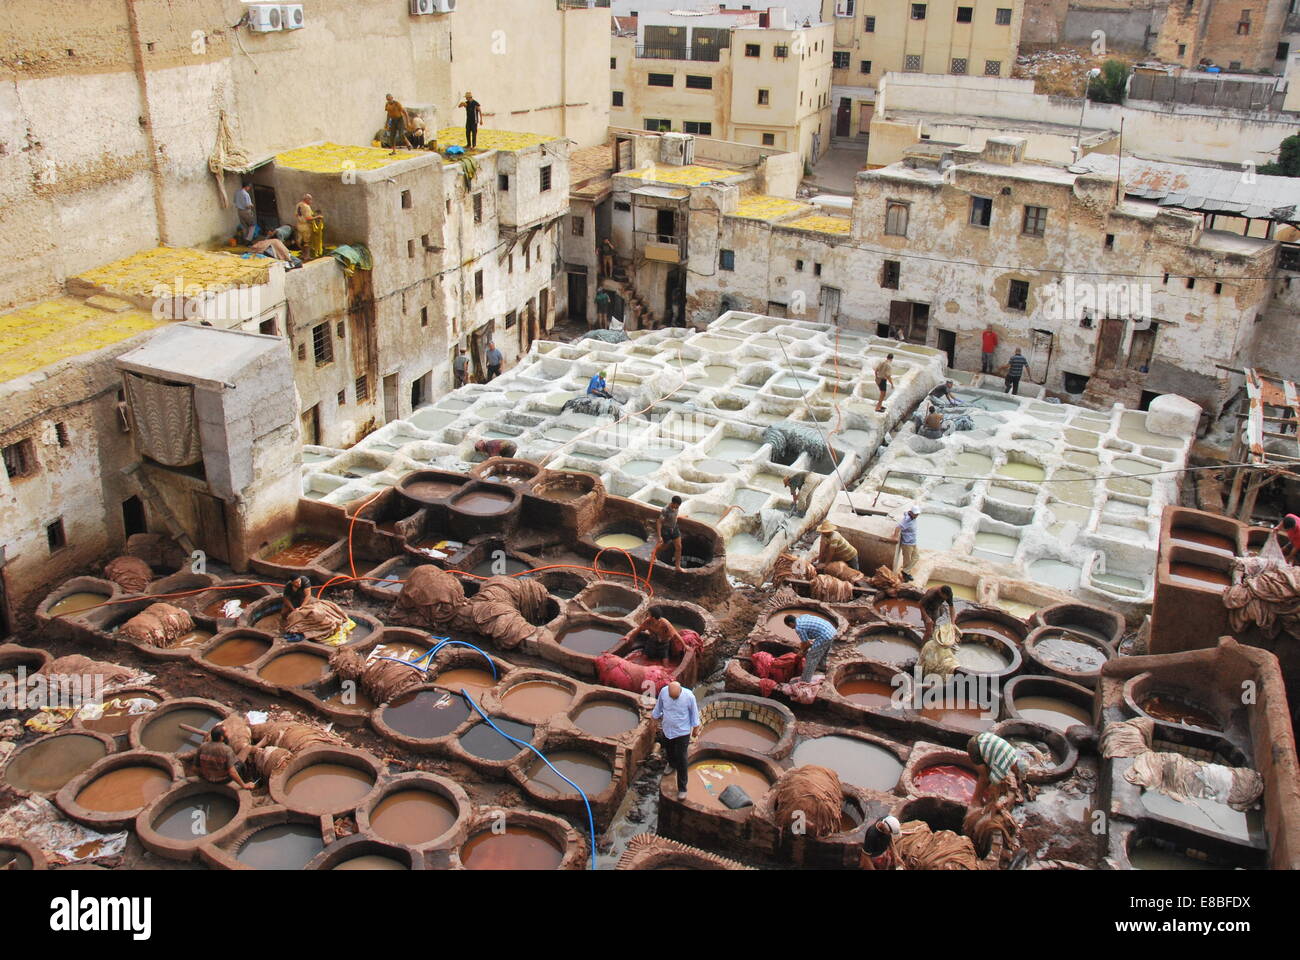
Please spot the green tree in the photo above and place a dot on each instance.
(1288, 159)
(1109, 87)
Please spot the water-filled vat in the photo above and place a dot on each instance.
(536, 700)
(518, 848)
(45, 765)
(425, 714)
(857, 761)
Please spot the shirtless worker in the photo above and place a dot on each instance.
(397, 122)
(658, 637)
(667, 531)
(884, 380)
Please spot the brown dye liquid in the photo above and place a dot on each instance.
(1203, 539)
(898, 608)
(1052, 712)
(77, 602)
(707, 779)
(1195, 575)
(536, 700)
(237, 651)
(328, 786)
(776, 622)
(738, 732)
(889, 648)
(194, 817)
(286, 846)
(482, 503)
(431, 489)
(991, 627)
(398, 650)
(963, 718)
(46, 766)
(14, 860)
(412, 816)
(126, 788)
(117, 717)
(164, 734)
(591, 773)
(271, 622)
(867, 693)
(605, 718)
(590, 640)
(1175, 711)
(299, 553)
(859, 762)
(215, 607)
(426, 714)
(371, 861)
(484, 742)
(354, 702)
(195, 638)
(519, 848)
(475, 682)
(295, 669)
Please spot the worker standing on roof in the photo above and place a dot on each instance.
(815, 634)
(473, 114)
(311, 228)
(1289, 533)
(398, 121)
(907, 540)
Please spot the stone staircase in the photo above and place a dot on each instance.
(639, 315)
(156, 507)
(1114, 385)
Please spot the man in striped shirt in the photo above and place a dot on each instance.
(1015, 370)
(815, 638)
(996, 759)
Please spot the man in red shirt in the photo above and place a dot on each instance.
(989, 343)
(1289, 528)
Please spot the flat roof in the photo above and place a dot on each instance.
(176, 268)
(690, 175)
(37, 336)
(340, 157)
(197, 354)
(759, 206)
(820, 223)
(506, 140)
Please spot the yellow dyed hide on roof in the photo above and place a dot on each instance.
(173, 268)
(37, 336)
(763, 207)
(822, 224)
(690, 175)
(491, 139)
(340, 157)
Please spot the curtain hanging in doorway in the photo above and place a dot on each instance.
(163, 413)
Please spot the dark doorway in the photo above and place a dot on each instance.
(311, 426)
(265, 208)
(133, 518)
(882, 330)
(665, 225)
(578, 297)
(1147, 397)
(420, 390)
(844, 117)
(675, 298)
(948, 344)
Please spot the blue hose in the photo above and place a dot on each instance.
(446, 641)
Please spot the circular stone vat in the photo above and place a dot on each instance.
(623, 535)
(124, 788)
(485, 743)
(326, 785)
(1058, 704)
(483, 500)
(565, 487)
(374, 861)
(993, 623)
(76, 602)
(281, 846)
(120, 712)
(589, 637)
(986, 654)
(46, 765)
(888, 644)
(416, 815)
(18, 855)
(536, 700)
(708, 777)
(294, 669)
(1082, 618)
(193, 813)
(236, 649)
(938, 812)
(520, 847)
(949, 780)
(592, 773)
(774, 622)
(425, 713)
(563, 584)
(472, 680)
(161, 731)
(611, 599)
(430, 486)
(855, 760)
(1052, 757)
(1151, 853)
(748, 722)
(901, 610)
(1071, 655)
(1168, 704)
(606, 718)
(873, 686)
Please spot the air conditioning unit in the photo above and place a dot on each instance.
(265, 18)
(444, 6)
(420, 8)
(291, 16)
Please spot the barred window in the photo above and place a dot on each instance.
(840, 59)
(959, 65)
(322, 345)
(1003, 18)
(912, 63)
(992, 68)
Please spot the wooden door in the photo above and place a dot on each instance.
(210, 527)
(1108, 343)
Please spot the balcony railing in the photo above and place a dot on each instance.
(699, 52)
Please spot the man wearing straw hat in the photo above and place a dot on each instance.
(834, 547)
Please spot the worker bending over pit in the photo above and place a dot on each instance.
(878, 844)
(657, 635)
(995, 759)
(815, 638)
(596, 386)
(833, 547)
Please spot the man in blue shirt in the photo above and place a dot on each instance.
(596, 388)
(907, 539)
(815, 638)
(494, 361)
(679, 722)
(1016, 369)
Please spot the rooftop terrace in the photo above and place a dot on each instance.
(338, 157)
(43, 334)
(141, 274)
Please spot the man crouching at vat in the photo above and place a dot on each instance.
(878, 844)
